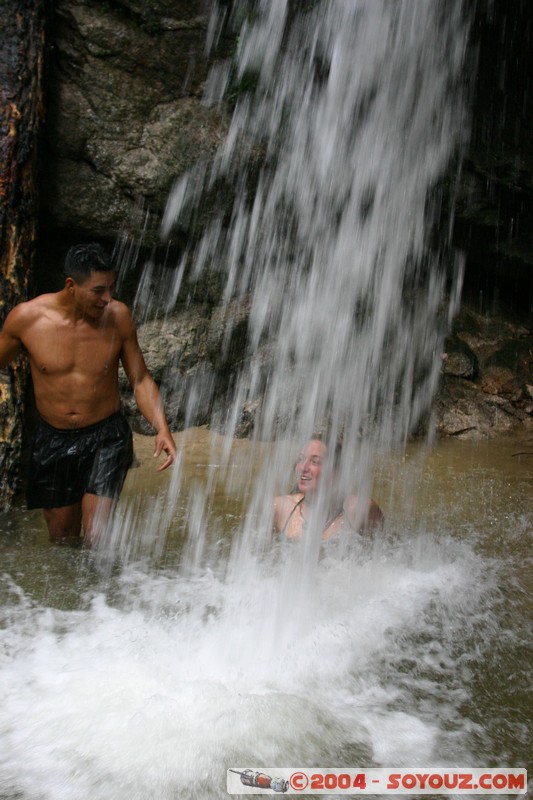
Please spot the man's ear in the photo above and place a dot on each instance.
(69, 283)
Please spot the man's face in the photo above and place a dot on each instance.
(94, 295)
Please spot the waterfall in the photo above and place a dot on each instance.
(233, 650)
(333, 239)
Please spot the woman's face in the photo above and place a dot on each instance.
(309, 466)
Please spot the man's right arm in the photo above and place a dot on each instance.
(10, 343)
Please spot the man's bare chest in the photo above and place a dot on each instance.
(65, 349)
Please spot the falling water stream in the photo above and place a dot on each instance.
(192, 641)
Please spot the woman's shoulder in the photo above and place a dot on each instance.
(287, 501)
(362, 514)
(284, 506)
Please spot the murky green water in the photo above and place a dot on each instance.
(438, 615)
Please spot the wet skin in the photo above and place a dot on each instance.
(75, 340)
(292, 511)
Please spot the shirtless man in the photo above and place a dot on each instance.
(292, 512)
(82, 449)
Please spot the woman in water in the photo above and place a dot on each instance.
(293, 512)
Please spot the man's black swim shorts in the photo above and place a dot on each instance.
(66, 464)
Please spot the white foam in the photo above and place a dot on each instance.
(186, 677)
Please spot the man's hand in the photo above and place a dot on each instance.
(165, 442)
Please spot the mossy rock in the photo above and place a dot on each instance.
(515, 355)
(459, 359)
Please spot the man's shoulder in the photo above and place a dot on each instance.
(120, 311)
(24, 313)
(120, 317)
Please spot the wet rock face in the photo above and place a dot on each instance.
(459, 361)
(494, 209)
(125, 116)
(485, 388)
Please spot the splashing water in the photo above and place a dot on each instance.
(152, 682)
(356, 114)
(159, 687)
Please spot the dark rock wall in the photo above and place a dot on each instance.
(125, 118)
(494, 212)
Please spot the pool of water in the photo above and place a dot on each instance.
(150, 667)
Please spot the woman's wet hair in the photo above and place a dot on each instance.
(321, 436)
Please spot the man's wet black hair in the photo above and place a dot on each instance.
(82, 259)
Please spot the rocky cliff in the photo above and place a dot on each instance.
(125, 118)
